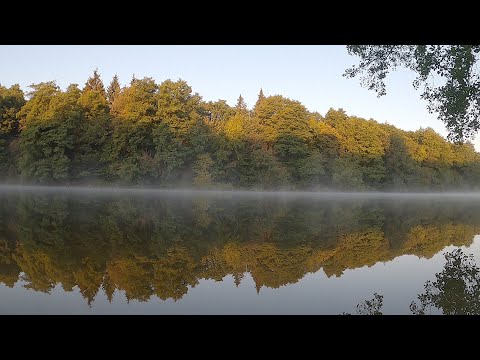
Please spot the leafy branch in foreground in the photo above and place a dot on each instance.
(455, 97)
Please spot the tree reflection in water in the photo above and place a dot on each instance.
(370, 307)
(141, 246)
(456, 290)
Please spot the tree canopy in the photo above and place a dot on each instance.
(448, 74)
(165, 134)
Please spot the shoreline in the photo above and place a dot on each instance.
(214, 192)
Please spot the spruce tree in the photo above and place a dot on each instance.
(241, 106)
(94, 83)
(260, 96)
(113, 90)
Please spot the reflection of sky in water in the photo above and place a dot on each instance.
(157, 242)
(399, 280)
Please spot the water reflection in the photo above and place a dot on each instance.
(163, 246)
(456, 290)
(370, 307)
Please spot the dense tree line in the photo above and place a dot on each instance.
(165, 135)
(160, 246)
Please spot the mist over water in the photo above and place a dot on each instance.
(98, 191)
(137, 250)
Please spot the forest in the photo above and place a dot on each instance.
(164, 135)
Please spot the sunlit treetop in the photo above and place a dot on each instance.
(11, 101)
(95, 83)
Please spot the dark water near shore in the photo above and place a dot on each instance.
(93, 251)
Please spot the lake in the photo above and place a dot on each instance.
(114, 251)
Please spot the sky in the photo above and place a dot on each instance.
(309, 74)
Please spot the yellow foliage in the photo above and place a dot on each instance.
(426, 241)
(432, 148)
(133, 275)
(359, 137)
(356, 250)
(234, 127)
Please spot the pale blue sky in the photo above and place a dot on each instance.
(310, 74)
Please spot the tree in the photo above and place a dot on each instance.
(279, 116)
(131, 148)
(47, 140)
(347, 174)
(235, 127)
(113, 90)
(202, 170)
(456, 289)
(11, 101)
(95, 83)
(400, 167)
(218, 112)
(365, 141)
(92, 136)
(292, 151)
(137, 102)
(455, 97)
(182, 127)
(371, 307)
(260, 97)
(325, 138)
(311, 169)
(241, 107)
(335, 117)
(166, 135)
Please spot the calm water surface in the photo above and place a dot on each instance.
(87, 251)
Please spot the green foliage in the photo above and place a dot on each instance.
(217, 114)
(311, 169)
(94, 83)
(202, 170)
(455, 98)
(166, 135)
(184, 131)
(281, 116)
(11, 101)
(371, 307)
(131, 148)
(241, 107)
(92, 137)
(271, 173)
(50, 120)
(347, 174)
(335, 116)
(400, 168)
(113, 90)
(169, 155)
(138, 102)
(4, 158)
(456, 290)
(131, 151)
(261, 97)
